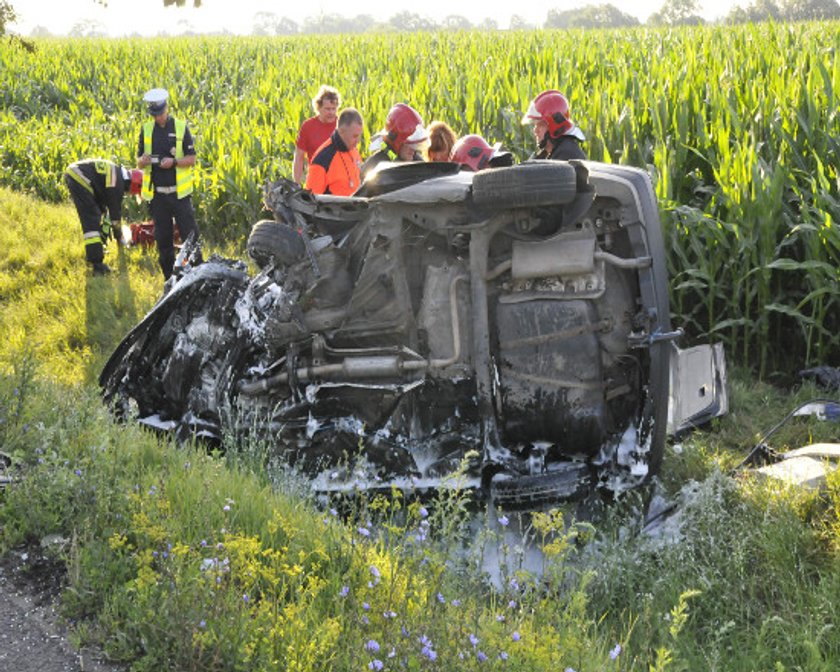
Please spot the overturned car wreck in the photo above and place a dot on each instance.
(510, 326)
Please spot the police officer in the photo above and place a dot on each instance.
(167, 156)
(97, 187)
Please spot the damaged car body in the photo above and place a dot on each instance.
(509, 328)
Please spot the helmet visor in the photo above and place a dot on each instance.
(532, 115)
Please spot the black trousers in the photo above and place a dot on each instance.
(90, 216)
(166, 209)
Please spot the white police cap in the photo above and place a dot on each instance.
(155, 100)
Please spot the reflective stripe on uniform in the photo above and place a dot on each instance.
(147, 192)
(92, 237)
(74, 172)
(183, 175)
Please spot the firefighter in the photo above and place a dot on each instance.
(556, 134)
(402, 139)
(166, 155)
(474, 153)
(97, 187)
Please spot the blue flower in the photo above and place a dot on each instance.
(441, 598)
(481, 656)
(503, 655)
(429, 652)
(376, 664)
(423, 512)
(455, 603)
(333, 512)
(78, 472)
(513, 583)
(615, 652)
(372, 646)
(203, 543)
(345, 590)
(364, 531)
(245, 598)
(365, 620)
(516, 637)
(389, 614)
(512, 604)
(474, 640)
(500, 618)
(366, 606)
(202, 623)
(404, 631)
(569, 669)
(503, 521)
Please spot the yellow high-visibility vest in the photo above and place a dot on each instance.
(183, 174)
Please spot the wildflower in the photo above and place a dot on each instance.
(503, 521)
(203, 543)
(513, 583)
(392, 653)
(500, 618)
(372, 646)
(220, 546)
(481, 656)
(202, 623)
(154, 554)
(423, 512)
(429, 652)
(441, 598)
(345, 590)
(376, 664)
(374, 572)
(245, 598)
(512, 604)
(333, 513)
(226, 507)
(404, 631)
(615, 652)
(516, 637)
(366, 606)
(503, 655)
(365, 620)
(455, 603)
(389, 614)
(78, 472)
(364, 531)
(425, 641)
(187, 465)
(569, 669)
(474, 640)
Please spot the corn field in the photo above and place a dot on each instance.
(737, 126)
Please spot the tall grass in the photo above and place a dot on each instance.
(737, 125)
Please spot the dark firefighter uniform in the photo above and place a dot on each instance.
(97, 187)
(168, 190)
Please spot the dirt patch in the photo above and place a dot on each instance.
(33, 637)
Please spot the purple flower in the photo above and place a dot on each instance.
(345, 590)
(516, 637)
(474, 640)
(333, 512)
(503, 655)
(364, 531)
(226, 507)
(512, 604)
(389, 614)
(615, 652)
(374, 571)
(365, 620)
(513, 583)
(245, 598)
(425, 641)
(455, 603)
(404, 631)
(500, 618)
(441, 598)
(78, 472)
(220, 546)
(429, 652)
(365, 606)
(202, 623)
(481, 656)
(372, 646)
(423, 512)
(503, 521)
(376, 664)
(203, 543)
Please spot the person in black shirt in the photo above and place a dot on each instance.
(166, 154)
(556, 134)
(97, 187)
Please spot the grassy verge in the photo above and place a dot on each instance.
(181, 560)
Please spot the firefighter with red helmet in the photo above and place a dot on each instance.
(401, 140)
(97, 187)
(474, 152)
(556, 134)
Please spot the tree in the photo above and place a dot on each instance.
(590, 16)
(518, 23)
(759, 10)
(456, 22)
(810, 10)
(676, 13)
(7, 15)
(487, 25)
(88, 28)
(410, 22)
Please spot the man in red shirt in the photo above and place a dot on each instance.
(315, 131)
(335, 166)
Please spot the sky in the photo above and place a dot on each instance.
(149, 17)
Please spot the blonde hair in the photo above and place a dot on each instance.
(441, 138)
(325, 93)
